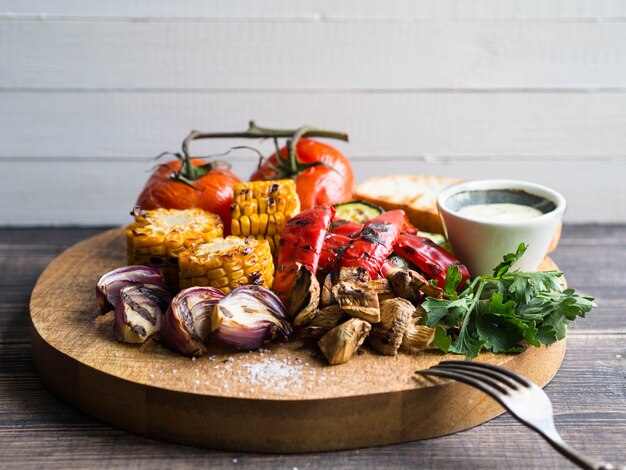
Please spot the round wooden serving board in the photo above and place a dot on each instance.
(281, 399)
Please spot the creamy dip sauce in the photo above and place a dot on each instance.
(500, 212)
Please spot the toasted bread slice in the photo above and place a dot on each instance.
(415, 194)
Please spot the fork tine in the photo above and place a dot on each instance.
(461, 377)
(463, 366)
(533, 410)
(482, 365)
(499, 385)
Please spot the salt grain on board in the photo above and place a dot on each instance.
(259, 373)
(272, 374)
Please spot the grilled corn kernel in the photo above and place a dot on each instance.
(263, 208)
(157, 236)
(227, 263)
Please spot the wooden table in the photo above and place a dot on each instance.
(588, 393)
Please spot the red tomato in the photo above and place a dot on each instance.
(208, 189)
(331, 183)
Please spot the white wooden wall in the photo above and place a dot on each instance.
(90, 90)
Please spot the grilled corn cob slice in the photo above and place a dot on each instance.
(226, 263)
(262, 208)
(158, 236)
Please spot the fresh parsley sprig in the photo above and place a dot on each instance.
(503, 312)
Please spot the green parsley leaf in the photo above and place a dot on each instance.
(524, 286)
(449, 312)
(530, 334)
(553, 328)
(467, 342)
(442, 340)
(504, 312)
(499, 327)
(508, 260)
(453, 279)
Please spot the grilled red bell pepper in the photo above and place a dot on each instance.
(332, 252)
(301, 243)
(375, 242)
(351, 229)
(409, 228)
(429, 257)
(346, 228)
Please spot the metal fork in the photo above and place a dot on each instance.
(527, 402)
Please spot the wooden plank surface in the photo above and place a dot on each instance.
(557, 139)
(494, 87)
(445, 126)
(200, 10)
(77, 357)
(36, 429)
(85, 181)
(278, 55)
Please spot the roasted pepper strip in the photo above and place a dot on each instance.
(375, 242)
(352, 229)
(347, 228)
(332, 252)
(301, 243)
(429, 258)
(409, 228)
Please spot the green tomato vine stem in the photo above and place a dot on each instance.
(291, 166)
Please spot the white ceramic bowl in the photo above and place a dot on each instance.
(481, 244)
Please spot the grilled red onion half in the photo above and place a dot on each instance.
(139, 311)
(250, 316)
(187, 322)
(109, 286)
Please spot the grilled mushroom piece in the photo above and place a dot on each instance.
(326, 296)
(324, 320)
(357, 300)
(382, 289)
(304, 297)
(354, 274)
(419, 313)
(395, 316)
(417, 337)
(340, 343)
(408, 284)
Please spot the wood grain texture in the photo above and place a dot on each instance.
(35, 427)
(103, 191)
(588, 397)
(199, 10)
(450, 82)
(175, 55)
(288, 391)
(471, 136)
(382, 126)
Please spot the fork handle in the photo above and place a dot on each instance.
(577, 457)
